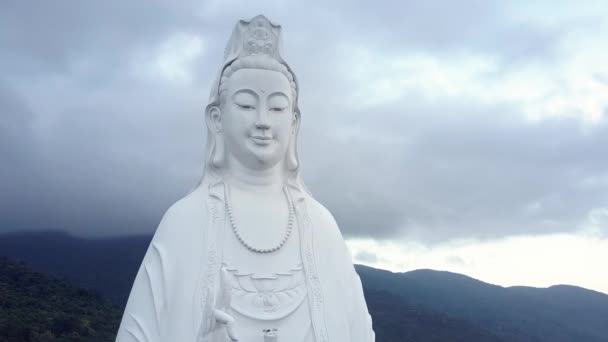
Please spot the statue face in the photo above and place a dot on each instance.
(257, 117)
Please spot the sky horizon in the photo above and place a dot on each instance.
(360, 261)
(474, 134)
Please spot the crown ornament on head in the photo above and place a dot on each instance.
(257, 37)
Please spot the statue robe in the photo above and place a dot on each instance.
(178, 283)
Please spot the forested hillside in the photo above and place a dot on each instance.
(37, 307)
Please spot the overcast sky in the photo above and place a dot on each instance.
(469, 136)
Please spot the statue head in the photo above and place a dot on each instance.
(253, 114)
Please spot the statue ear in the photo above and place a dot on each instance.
(213, 117)
(292, 151)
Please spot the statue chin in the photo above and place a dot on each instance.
(264, 156)
(228, 264)
(255, 160)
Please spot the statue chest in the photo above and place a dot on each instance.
(265, 286)
(268, 289)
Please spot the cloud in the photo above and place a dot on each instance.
(367, 257)
(425, 121)
(172, 61)
(596, 223)
(440, 172)
(566, 89)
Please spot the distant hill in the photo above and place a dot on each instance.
(558, 314)
(108, 265)
(37, 307)
(422, 305)
(396, 321)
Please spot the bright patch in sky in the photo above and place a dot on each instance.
(173, 60)
(570, 258)
(575, 86)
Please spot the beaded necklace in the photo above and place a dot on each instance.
(239, 237)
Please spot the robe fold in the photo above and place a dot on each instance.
(178, 284)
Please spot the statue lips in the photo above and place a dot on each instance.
(261, 139)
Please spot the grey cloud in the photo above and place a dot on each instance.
(451, 171)
(15, 125)
(50, 36)
(364, 256)
(94, 150)
(446, 28)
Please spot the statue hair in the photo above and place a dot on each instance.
(256, 62)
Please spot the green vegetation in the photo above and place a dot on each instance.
(36, 307)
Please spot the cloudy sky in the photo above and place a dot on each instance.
(468, 136)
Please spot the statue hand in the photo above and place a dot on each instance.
(223, 318)
(221, 314)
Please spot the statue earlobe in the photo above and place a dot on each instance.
(213, 117)
(292, 151)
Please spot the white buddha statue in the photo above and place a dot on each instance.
(249, 255)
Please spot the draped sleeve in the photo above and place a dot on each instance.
(360, 321)
(343, 289)
(165, 303)
(147, 305)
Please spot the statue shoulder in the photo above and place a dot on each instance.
(168, 270)
(323, 218)
(321, 212)
(183, 217)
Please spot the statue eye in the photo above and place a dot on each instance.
(278, 103)
(245, 106)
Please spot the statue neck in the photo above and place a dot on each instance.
(240, 176)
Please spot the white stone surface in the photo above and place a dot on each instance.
(249, 255)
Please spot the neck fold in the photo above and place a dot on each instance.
(263, 180)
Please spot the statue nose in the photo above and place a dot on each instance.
(262, 119)
(262, 125)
